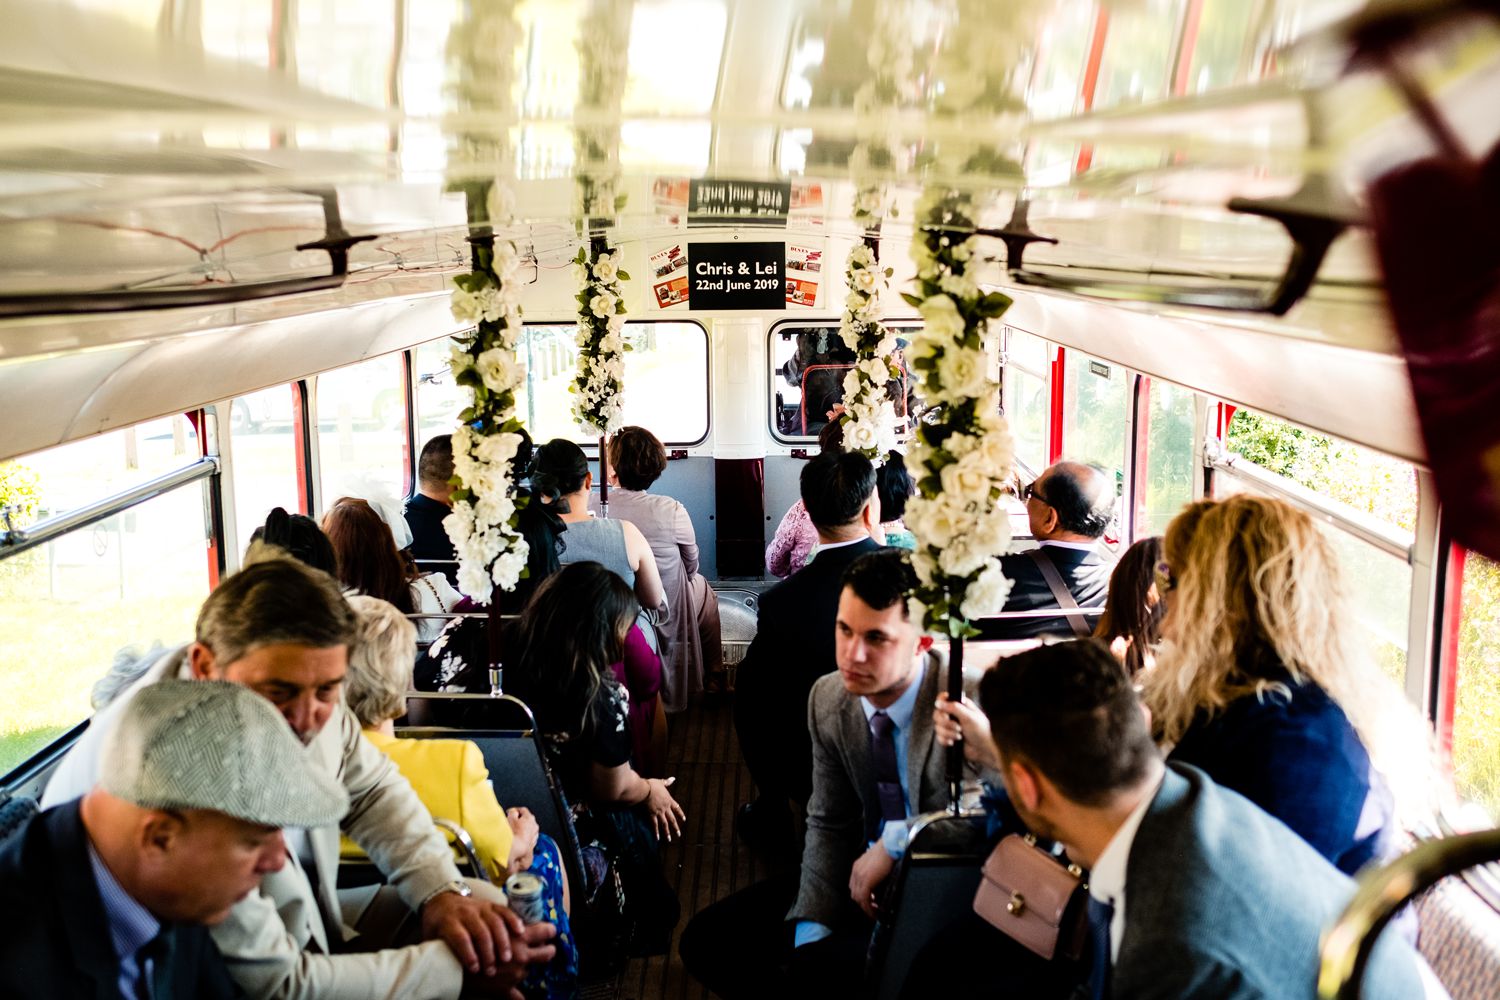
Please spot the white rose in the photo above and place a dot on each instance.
(602, 305)
(498, 369)
(851, 384)
(605, 269)
(876, 370)
(933, 523)
(616, 322)
(861, 257)
(960, 286)
(959, 558)
(991, 533)
(500, 203)
(859, 435)
(465, 306)
(506, 260)
(963, 482)
(985, 596)
(941, 318)
(866, 280)
(508, 567)
(498, 448)
(458, 358)
(850, 330)
(962, 371)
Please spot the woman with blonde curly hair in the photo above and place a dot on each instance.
(1263, 683)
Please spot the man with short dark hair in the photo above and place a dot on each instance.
(1193, 890)
(113, 892)
(431, 502)
(794, 645)
(283, 630)
(1068, 506)
(875, 765)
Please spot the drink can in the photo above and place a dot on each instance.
(527, 895)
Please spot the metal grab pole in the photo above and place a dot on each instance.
(955, 695)
(603, 476)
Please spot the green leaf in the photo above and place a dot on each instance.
(912, 300)
(890, 272)
(582, 255)
(624, 275)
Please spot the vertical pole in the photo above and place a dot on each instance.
(955, 694)
(603, 476)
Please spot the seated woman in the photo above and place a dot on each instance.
(368, 560)
(895, 486)
(573, 629)
(1133, 611)
(696, 659)
(560, 478)
(299, 535)
(450, 778)
(1263, 683)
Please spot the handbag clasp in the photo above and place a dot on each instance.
(1017, 904)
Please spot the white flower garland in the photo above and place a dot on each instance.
(962, 452)
(869, 418)
(482, 526)
(599, 386)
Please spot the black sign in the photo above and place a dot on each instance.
(755, 203)
(737, 276)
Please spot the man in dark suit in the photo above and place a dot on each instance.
(875, 765)
(1069, 506)
(109, 896)
(794, 645)
(426, 508)
(1193, 890)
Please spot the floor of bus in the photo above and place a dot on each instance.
(709, 862)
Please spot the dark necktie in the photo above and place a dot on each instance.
(158, 952)
(1100, 915)
(887, 773)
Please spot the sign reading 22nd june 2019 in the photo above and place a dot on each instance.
(737, 276)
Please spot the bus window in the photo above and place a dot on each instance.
(808, 366)
(666, 380)
(1025, 397)
(1476, 713)
(362, 428)
(439, 399)
(68, 605)
(264, 455)
(1096, 403)
(1363, 494)
(1171, 457)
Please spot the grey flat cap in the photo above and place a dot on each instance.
(220, 746)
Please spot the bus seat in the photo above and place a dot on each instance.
(935, 879)
(356, 870)
(15, 811)
(1459, 935)
(737, 622)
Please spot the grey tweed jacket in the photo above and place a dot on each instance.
(844, 805)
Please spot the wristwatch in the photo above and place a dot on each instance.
(457, 885)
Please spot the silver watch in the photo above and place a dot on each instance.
(457, 885)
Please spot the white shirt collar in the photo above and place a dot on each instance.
(1107, 877)
(902, 710)
(826, 546)
(1080, 546)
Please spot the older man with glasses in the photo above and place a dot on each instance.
(1068, 507)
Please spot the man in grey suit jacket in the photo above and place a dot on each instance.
(875, 766)
(1193, 890)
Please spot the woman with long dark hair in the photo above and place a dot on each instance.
(573, 630)
(1131, 623)
(367, 559)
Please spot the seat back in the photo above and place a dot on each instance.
(935, 881)
(1459, 935)
(15, 811)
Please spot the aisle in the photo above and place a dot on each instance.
(709, 862)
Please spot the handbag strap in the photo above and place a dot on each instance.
(1060, 592)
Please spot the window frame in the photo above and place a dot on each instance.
(803, 323)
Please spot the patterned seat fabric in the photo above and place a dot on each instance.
(1460, 938)
(14, 812)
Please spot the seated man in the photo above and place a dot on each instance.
(195, 784)
(793, 644)
(283, 630)
(1194, 891)
(875, 765)
(1069, 506)
(431, 502)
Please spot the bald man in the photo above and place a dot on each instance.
(1068, 506)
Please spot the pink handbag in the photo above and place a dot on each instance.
(1032, 897)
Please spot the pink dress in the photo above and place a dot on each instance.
(793, 544)
(640, 672)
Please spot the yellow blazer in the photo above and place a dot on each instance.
(450, 778)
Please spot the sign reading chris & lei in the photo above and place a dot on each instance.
(755, 203)
(737, 276)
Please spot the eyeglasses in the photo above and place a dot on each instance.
(1029, 490)
(1165, 581)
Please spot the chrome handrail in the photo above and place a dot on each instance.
(1347, 944)
(465, 843)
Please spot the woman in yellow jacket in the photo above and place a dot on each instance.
(450, 778)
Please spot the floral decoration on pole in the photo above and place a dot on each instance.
(962, 452)
(869, 413)
(599, 386)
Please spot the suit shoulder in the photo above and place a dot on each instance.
(828, 692)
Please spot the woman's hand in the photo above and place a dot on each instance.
(964, 721)
(524, 832)
(667, 816)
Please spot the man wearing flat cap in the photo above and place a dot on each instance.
(283, 630)
(110, 895)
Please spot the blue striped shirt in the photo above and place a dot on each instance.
(131, 928)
